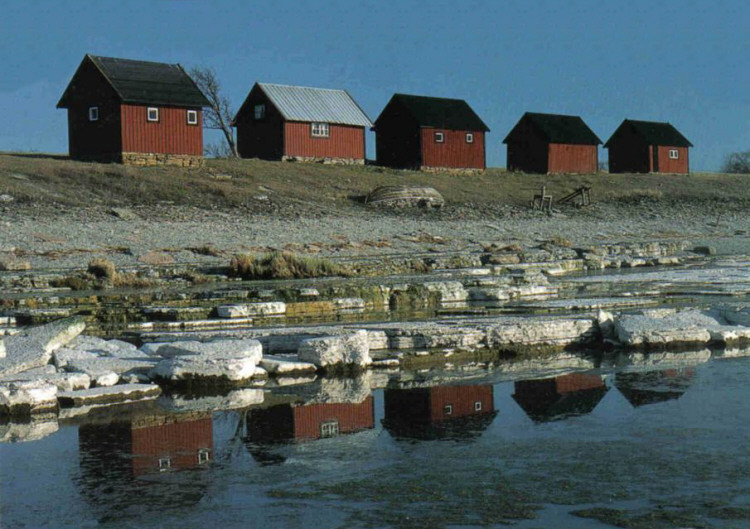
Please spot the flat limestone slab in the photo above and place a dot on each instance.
(279, 366)
(345, 349)
(26, 431)
(33, 347)
(269, 308)
(48, 374)
(212, 362)
(27, 397)
(108, 395)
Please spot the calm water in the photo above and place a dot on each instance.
(659, 446)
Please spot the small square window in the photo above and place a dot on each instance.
(448, 409)
(329, 429)
(192, 117)
(259, 111)
(478, 405)
(674, 154)
(165, 463)
(319, 130)
(152, 114)
(439, 137)
(204, 456)
(469, 137)
(93, 113)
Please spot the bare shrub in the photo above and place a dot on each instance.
(737, 163)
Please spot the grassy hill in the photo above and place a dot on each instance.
(225, 184)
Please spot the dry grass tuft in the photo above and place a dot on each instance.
(284, 265)
(207, 249)
(102, 269)
(561, 241)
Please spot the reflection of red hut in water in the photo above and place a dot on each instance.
(287, 422)
(651, 387)
(550, 399)
(171, 445)
(439, 412)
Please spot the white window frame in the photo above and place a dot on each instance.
(93, 113)
(439, 137)
(148, 114)
(469, 137)
(204, 456)
(259, 111)
(320, 130)
(165, 464)
(674, 154)
(194, 115)
(478, 405)
(329, 429)
(448, 409)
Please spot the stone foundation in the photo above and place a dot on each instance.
(323, 160)
(148, 159)
(450, 170)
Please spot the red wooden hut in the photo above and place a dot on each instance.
(648, 147)
(552, 143)
(136, 112)
(417, 132)
(550, 399)
(439, 412)
(309, 421)
(297, 123)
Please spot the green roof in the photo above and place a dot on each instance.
(438, 112)
(556, 128)
(653, 133)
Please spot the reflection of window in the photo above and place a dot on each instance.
(329, 429)
(204, 456)
(674, 154)
(319, 130)
(439, 137)
(192, 117)
(93, 113)
(448, 409)
(478, 405)
(259, 111)
(469, 137)
(165, 463)
(152, 114)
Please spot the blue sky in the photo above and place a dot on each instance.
(679, 61)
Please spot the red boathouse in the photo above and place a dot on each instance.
(298, 123)
(418, 132)
(552, 143)
(134, 112)
(648, 147)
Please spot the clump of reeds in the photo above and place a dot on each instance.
(284, 265)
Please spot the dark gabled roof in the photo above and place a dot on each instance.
(438, 112)
(558, 128)
(144, 82)
(653, 133)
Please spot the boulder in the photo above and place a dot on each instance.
(27, 397)
(451, 292)
(405, 196)
(222, 361)
(33, 347)
(343, 350)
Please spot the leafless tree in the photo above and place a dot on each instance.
(737, 162)
(217, 116)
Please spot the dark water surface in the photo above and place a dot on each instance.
(659, 446)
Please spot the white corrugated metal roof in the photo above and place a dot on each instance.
(301, 103)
